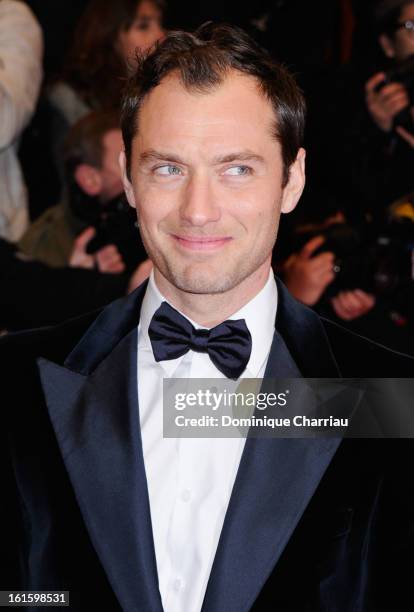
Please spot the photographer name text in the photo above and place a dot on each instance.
(264, 421)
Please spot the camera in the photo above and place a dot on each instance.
(115, 223)
(378, 260)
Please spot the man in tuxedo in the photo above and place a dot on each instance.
(101, 504)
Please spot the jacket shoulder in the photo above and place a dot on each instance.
(92, 335)
(361, 357)
(53, 343)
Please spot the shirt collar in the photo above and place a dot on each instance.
(259, 314)
(260, 317)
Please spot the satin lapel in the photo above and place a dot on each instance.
(305, 337)
(96, 422)
(276, 477)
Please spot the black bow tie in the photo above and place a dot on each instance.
(228, 345)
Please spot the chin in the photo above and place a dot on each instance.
(195, 279)
(202, 277)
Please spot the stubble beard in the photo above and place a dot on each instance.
(202, 278)
(205, 279)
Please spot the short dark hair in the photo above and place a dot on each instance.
(387, 14)
(202, 60)
(84, 142)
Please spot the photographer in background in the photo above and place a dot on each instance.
(386, 100)
(308, 276)
(381, 160)
(93, 212)
(311, 271)
(359, 275)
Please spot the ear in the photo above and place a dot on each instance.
(129, 192)
(296, 183)
(89, 179)
(387, 45)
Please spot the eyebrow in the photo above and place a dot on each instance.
(152, 155)
(238, 156)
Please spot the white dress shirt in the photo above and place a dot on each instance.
(190, 480)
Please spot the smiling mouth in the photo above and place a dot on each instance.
(201, 243)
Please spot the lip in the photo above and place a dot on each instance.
(201, 243)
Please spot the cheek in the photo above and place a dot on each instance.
(130, 41)
(256, 209)
(136, 39)
(154, 207)
(141, 40)
(404, 46)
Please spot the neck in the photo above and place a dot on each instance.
(209, 310)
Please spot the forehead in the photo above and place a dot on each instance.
(233, 114)
(146, 8)
(407, 11)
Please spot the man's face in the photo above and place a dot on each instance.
(110, 176)
(206, 179)
(401, 45)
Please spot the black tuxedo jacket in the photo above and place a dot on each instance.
(312, 525)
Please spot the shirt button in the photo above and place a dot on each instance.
(178, 584)
(186, 495)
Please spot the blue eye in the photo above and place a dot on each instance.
(238, 171)
(167, 170)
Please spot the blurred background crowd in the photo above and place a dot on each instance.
(68, 240)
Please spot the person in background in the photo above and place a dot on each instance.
(308, 274)
(106, 40)
(21, 51)
(378, 154)
(355, 275)
(395, 25)
(93, 180)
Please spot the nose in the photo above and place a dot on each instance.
(199, 205)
